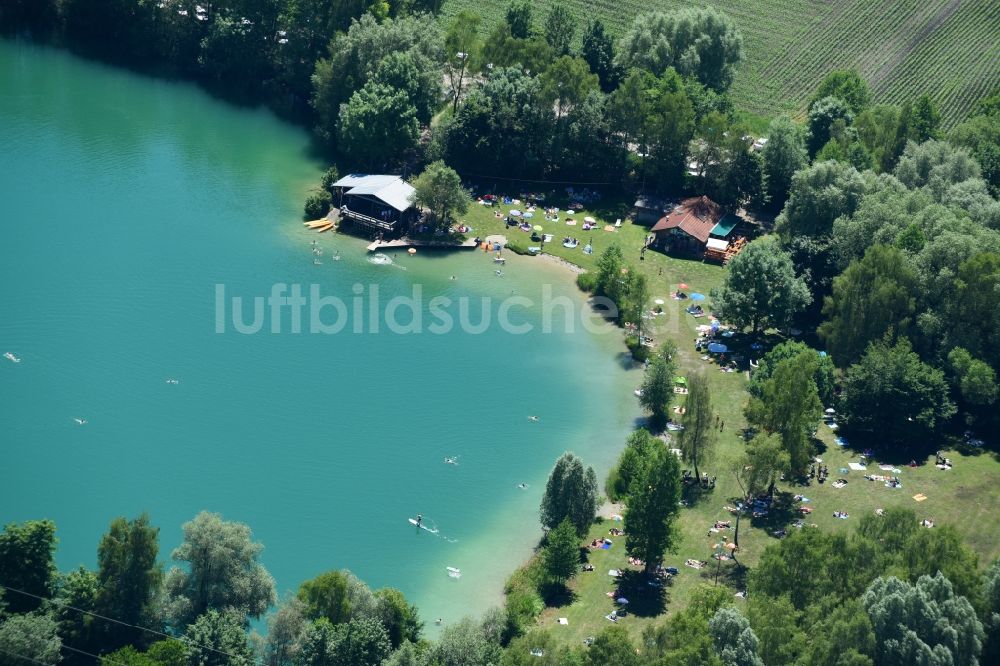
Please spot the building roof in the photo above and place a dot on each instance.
(725, 225)
(392, 190)
(696, 217)
(651, 203)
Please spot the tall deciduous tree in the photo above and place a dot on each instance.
(571, 492)
(878, 129)
(925, 623)
(130, 578)
(222, 572)
(758, 469)
(599, 51)
(991, 613)
(610, 282)
(355, 56)
(519, 17)
(378, 126)
(76, 603)
(464, 643)
(562, 552)
(891, 393)
(29, 637)
(789, 405)
(566, 83)
(789, 349)
(844, 637)
(638, 451)
(823, 115)
(286, 629)
(818, 196)
(651, 509)
(870, 297)
(218, 638)
(398, 616)
(702, 43)
(733, 639)
(26, 563)
(560, 28)
(612, 646)
(440, 190)
(847, 85)
(761, 289)
(657, 389)
(935, 165)
(463, 49)
(697, 440)
(359, 642)
(336, 596)
(784, 154)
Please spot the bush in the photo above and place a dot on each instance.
(587, 282)
(330, 176)
(318, 205)
(524, 603)
(640, 352)
(517, 248)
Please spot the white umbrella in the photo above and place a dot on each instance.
(515, 213)
(831, 410)
(659, 301)
(590, 220)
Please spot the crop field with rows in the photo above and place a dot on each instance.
(949, 49)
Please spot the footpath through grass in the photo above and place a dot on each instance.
(963, 496)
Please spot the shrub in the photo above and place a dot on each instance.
(517, 248)
(524, 603)
(330, 176)
(640, 352)
(586, 282)
(318, 205)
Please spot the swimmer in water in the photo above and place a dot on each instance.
(522, 486)
(81, 421)
(532, 418)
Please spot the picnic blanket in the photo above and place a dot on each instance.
(920, 497)
(890, 468)
(857, 467)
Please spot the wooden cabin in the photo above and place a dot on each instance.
(378, 205)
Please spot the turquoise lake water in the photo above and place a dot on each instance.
(125, 201)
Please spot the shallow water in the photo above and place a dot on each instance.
(126, 201)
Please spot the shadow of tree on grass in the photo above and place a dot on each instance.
(644, 600)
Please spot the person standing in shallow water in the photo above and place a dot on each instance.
(420, 519)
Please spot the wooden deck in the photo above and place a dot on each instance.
(406, 243)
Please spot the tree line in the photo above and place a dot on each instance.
(388, 86)
(130, 611)
(897, 273)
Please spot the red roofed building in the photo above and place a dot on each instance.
(689, 226)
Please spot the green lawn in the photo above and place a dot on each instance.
(963, 497)
(947, 48)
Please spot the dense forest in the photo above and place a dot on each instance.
(880, 243)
